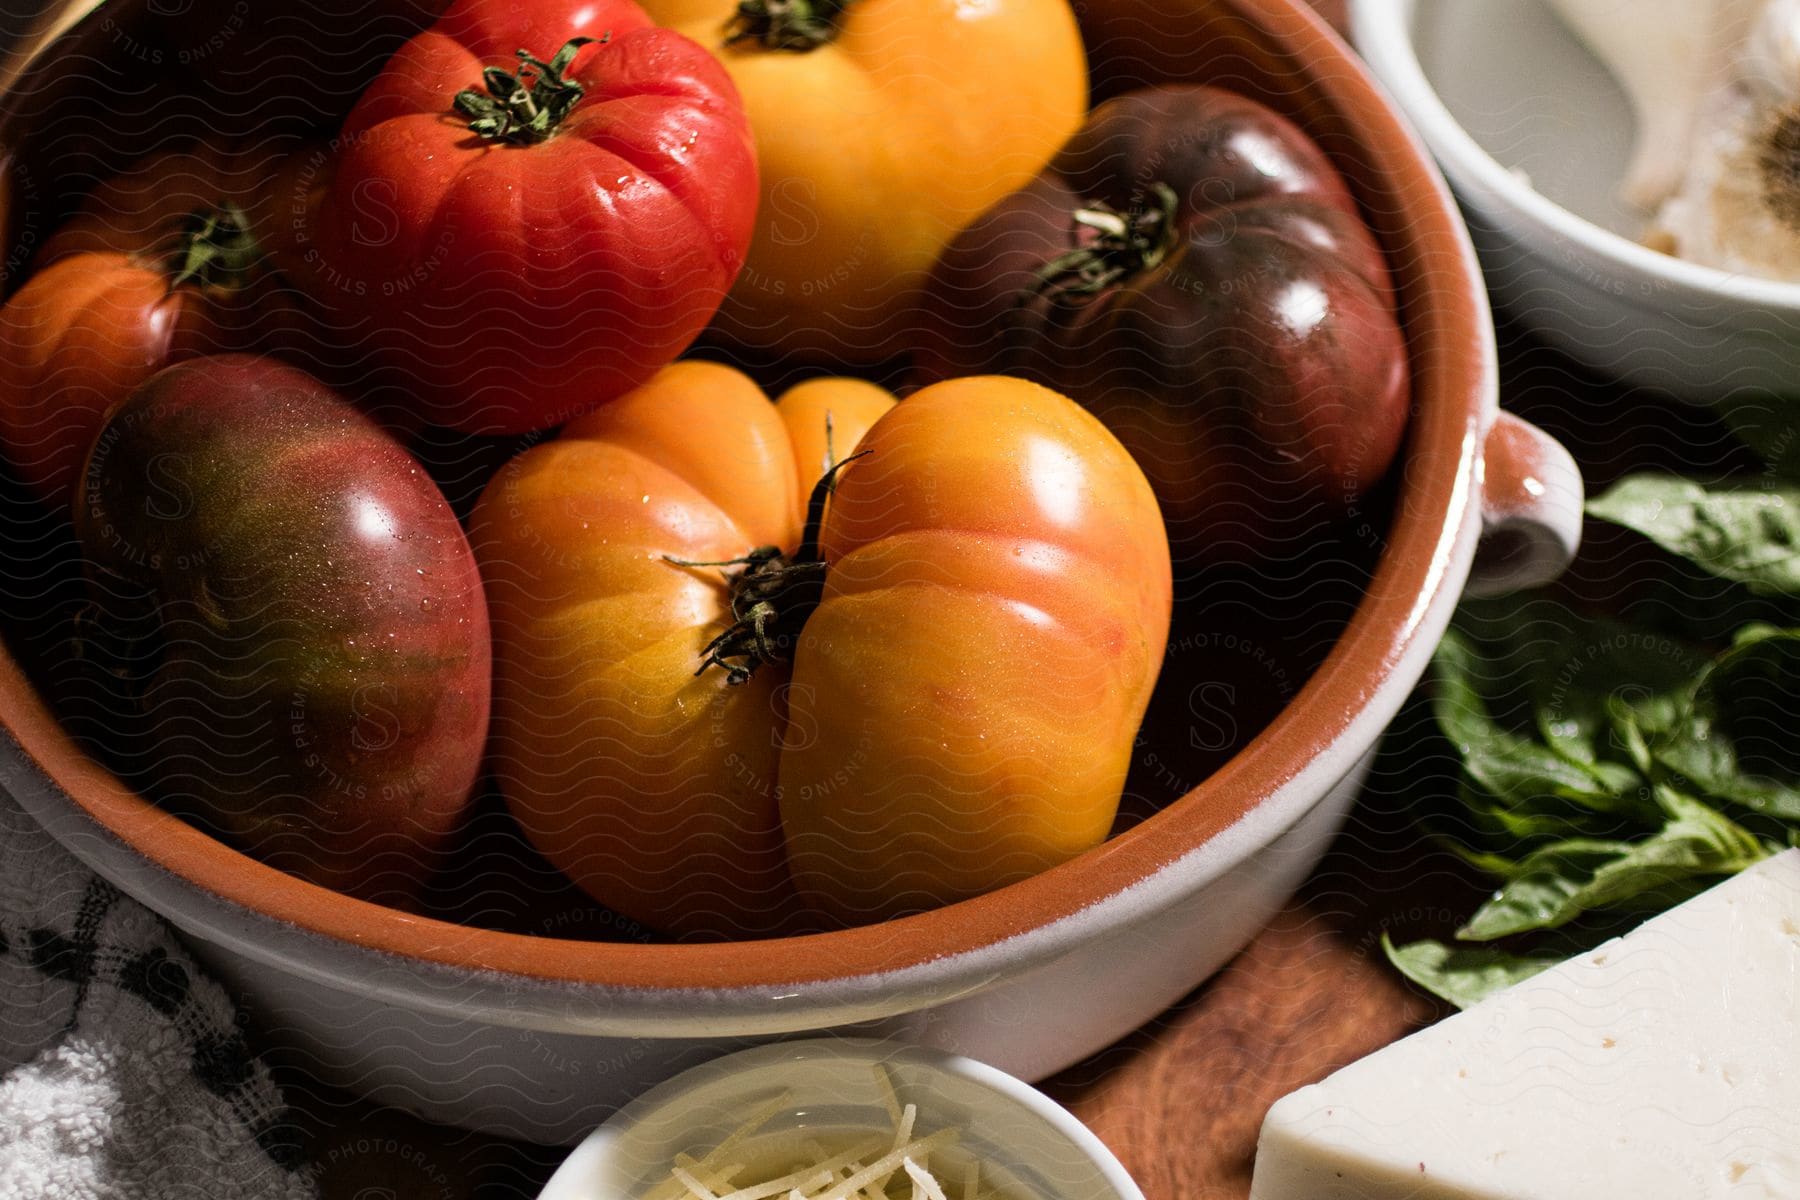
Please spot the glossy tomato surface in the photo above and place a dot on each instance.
(160, 264)
(877, 143)
(515, 278)
(292, 620)
(1240, 338)
(952, 710)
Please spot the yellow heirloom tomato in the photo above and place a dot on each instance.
(724, 704)
(882, 128)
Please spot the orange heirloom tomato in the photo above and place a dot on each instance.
(159, 265)
(717, 712)
(882, 128)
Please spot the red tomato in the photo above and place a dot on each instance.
(535, 206)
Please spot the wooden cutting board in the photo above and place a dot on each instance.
(1180, 1101)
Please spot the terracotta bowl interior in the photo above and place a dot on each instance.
(125, 81)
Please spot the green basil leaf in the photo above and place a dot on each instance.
(1740, 746)
(1463, 975)
(1511, 766)
(1497, 865)
(1748, 534)
(1606, 667)
(1759, 632)
(1514, 830)
(1699, 842)
(1571, 673)
(1707, 760)
(1544, 892)
(1714, 840)
(1633, 739)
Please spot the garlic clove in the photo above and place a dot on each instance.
(1667, 55)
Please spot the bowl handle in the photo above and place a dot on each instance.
(1531, 499)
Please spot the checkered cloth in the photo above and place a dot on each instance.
(123, 1073)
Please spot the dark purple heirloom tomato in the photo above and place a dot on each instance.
(292, 619)
(1193, 271)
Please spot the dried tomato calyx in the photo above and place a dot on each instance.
(525, 107)
(1109, 246)
(772, 596)
(215, 249)
(796, 25)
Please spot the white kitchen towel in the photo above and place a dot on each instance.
(124, 1074)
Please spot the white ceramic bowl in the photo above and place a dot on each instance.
(1019, 1135)
(1533, 134)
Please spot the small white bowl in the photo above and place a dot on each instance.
(1533, 134)
(1019, 1135)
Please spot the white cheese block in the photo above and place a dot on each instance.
(1664, 1065)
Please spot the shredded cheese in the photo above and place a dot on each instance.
(895, 1165)
(889, 1097)
(694, 1186)
(807, 1174)
(903, 1134)
(923, 1181)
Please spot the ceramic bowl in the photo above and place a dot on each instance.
(539, 1033)
(1025, 1143)
(1534, 134)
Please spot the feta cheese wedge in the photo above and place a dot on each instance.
(1664, 1065)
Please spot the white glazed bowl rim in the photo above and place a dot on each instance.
(1382, 31)
(1005, 1089)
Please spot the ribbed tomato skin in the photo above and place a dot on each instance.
(960, 708)
(509, 287)
(1257, 373)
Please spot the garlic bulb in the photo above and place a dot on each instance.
(1667, 55)
(1715, 85)
(1738, 208)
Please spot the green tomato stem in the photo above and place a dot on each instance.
(792, 25)
(773, 595)
(216, 249)
(1109, 246)
(527, 107)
